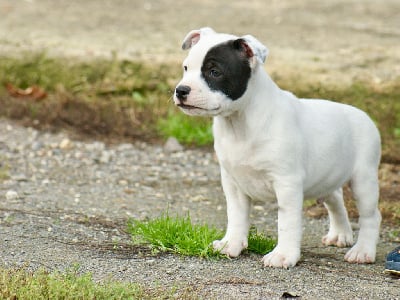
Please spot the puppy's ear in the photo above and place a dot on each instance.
(194, 36)
(257, 48)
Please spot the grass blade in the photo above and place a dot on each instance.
(178, 235)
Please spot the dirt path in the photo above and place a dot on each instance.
(74, 197)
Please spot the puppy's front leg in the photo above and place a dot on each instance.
(238, 206)
(287, 252)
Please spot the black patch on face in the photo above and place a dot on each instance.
(226, 68)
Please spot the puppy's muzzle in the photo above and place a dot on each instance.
(182, 92)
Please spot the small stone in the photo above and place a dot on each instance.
(78, 155)
(106, 157)
(20, 177)
(123, 182)
(198, 198)
(36, 146)
(66, 144)
(12, 195)
(172, 145)
(95, 146)
(125, 147)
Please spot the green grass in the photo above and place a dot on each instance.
(178, 235)
(109, 97)
(22, 284)
(259, 243)
(4, 169)
(131, 99)
(186, 129)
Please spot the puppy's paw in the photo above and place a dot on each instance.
(338, 239)
(282, 259)
(230, 248)
(361, 254)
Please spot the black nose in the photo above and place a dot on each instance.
(182, 92)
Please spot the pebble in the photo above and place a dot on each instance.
(106, 156)
(66, 143)
(12, 195)
(19, 177)
(172, 145)
(35, 146)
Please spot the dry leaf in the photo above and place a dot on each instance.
(34, 92)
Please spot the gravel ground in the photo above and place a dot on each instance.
(67, 200)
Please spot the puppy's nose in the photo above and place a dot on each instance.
(182, 92)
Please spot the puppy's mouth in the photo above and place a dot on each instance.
(190, 107)
(185, 106)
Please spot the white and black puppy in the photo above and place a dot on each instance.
(272, 145)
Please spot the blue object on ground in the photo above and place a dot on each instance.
(393, 262)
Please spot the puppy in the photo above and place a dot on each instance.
(272, 145)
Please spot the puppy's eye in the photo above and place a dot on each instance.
(185, 68)
(215, 73)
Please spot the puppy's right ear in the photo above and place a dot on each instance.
(194, 36)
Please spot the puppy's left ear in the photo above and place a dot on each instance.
(260, 52)
(193, 37)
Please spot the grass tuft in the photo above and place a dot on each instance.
(259, 243)
(178, 235)
(175, 234)
(22, 284)
(186, 129)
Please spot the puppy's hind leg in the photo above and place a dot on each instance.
(366, 192)
(340, 233)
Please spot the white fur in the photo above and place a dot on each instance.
(272, 145)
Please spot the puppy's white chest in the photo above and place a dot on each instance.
(250, 176)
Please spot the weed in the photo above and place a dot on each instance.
(23, 284)
(8, 219)
(187, 130)
(309, 203)
(394, 235)
(178, 235)
(4, 170)
(259, 243)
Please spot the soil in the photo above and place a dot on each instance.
(73, 198)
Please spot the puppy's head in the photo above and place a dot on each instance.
(216, 72)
